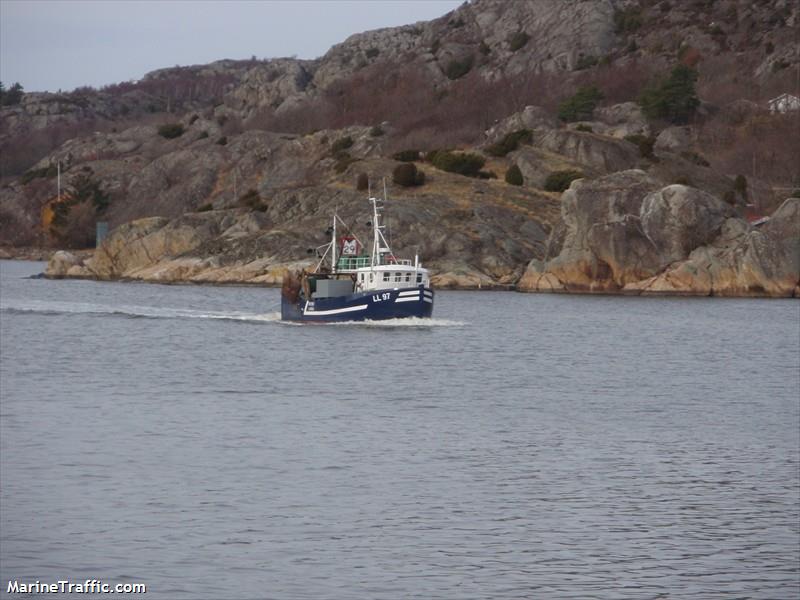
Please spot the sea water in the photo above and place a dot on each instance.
(514, 446)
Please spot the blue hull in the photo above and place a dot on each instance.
(374, 306)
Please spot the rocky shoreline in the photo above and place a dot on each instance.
(624, 234)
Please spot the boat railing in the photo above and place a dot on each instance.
(346, 263)
(349, 263)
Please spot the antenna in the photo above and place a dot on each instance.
(388, 225)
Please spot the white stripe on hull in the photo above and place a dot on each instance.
(428, 300)
(409, 293)
(336, 311)
(408, 299)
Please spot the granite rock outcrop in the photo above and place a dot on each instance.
(625, 233)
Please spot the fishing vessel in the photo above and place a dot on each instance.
(352, 284)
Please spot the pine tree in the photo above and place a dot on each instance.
(580, 107)
(674, 99)
(12, 96)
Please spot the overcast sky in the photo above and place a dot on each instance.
(48, 45)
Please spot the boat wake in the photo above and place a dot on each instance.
(49, 308)
(135, 312)
(406, 322)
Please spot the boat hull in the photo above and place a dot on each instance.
(377, 305)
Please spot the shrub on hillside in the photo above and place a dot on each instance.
(252, 199)
(343, 160)
(674, 98)
(341, 144)
(456, 162)
(644, 143)
(729, 197)
(780, 65)
(580, 107)
(457, 68)
(74, 215)
(585, 62)
(518, 40)
(514, 176)
(84, 189)
(362, 182)
(376, 131)
(45, 172)
(406, 155)
(171, 130)
(510, 142)
(695, 158)
(740, 185)
(584, 128)
(558, 181)
(627, 20)
(407, 175)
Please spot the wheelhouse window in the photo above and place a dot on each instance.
(419, 277)
(397, 277)
(408, 277)
(386, 276)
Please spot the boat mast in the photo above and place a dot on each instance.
(375, 232)
(379, 244)
(333, 246)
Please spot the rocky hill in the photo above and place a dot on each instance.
(228, 171)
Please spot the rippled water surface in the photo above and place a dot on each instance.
(517, 446)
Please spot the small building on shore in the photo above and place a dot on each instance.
(784, 103)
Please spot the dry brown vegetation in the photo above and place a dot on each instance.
(175, 90)
(425, 116)
(761, 145)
